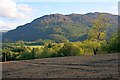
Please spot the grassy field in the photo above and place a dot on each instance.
(95, 66)
(35, 46)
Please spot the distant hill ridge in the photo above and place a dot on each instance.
(73, 27)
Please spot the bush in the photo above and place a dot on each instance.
(27, 54)
(47, 53)
(70, 49)
(38, 52)
(114, 44)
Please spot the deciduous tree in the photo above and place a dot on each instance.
(98, 32)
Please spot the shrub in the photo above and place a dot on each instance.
(70, 49)
(27, 54)
(38, 52)
(47, 53)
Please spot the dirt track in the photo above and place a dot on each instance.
(102, 66)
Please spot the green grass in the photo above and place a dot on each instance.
(35, 46)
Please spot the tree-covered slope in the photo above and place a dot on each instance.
(73, 27)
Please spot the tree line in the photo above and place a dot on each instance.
(96, 43)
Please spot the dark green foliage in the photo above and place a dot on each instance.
(38, 52)
(49, 45)
(17, 50)
(70, 49)
(47, 53)
(11, 51)
(59, 38)
(113, 44)
(70, 27)
(27, 53)
(39, 42)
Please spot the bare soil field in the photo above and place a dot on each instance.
(95, 66)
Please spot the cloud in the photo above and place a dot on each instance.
(9, 25)
(9, 9)
(2, 24)
(13, 15)
(24, 8)
(5, 25)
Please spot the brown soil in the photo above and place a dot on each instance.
(102, 66)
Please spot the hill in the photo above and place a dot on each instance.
(73, 27)
(94, 66)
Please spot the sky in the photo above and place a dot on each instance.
(14, 13)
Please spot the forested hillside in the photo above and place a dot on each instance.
(58, 27)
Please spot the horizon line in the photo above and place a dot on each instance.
(61, 14)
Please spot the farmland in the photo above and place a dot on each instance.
(92, 66)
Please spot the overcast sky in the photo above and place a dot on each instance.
(18, 12)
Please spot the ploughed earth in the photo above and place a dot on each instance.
(95, 66)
